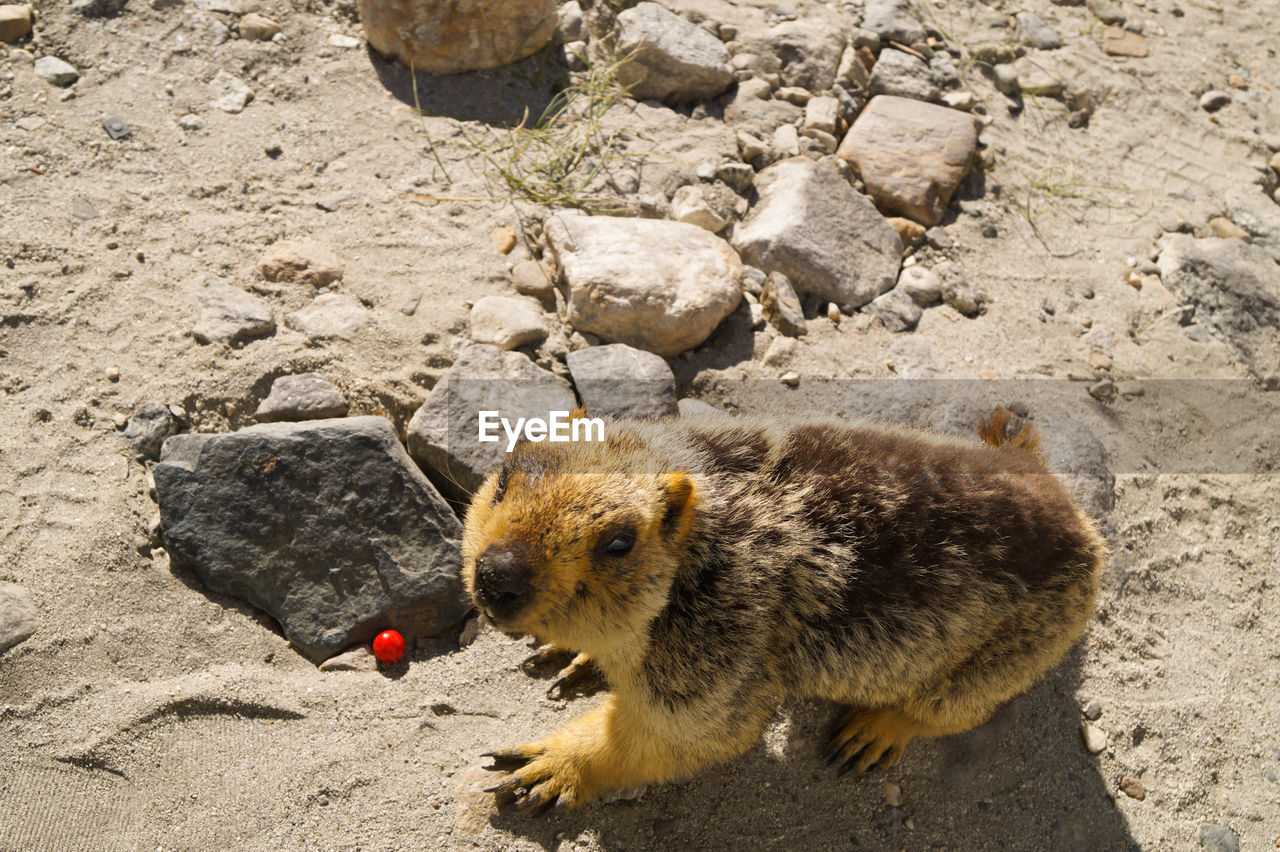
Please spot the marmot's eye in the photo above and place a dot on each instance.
(620, 544)
(501, 490)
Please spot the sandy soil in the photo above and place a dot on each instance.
(146, 713)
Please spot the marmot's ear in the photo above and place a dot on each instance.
(681, 503)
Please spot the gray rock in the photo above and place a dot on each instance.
(697, 408)
(230, 94)
(671, 60)
(507, 322)
(903, 75)
(443, 434)
(230, 315)
(1218, 838)
(99, 8)
(911, 155)
(1258, 215)
(56, 71)
(896, 310)
(1006, 79)
(18, 616)
(922, 285)
(811, 226)
(1235, 287)
(148, 427)
(358, 659)
(191, 121)
(895, 20)
(305, 396)
(622, 382)
(808, 54)
(822, 113)
(331, 316)
(305, 263)
(689, 204)
(1092, 710)
(960, 294)
(656, 285)
(1214, 100)
(327, 526)
(1034, 32)
(781, 306)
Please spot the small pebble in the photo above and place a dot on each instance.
(113, 373)
(1214, 100)
(1133, 788)
(1103, 391)
(833, 313)
(790, 379)
(990, 232)
(120, 420)
(892, 794)
(1094, 739)
(1092, 709)
(503, 239)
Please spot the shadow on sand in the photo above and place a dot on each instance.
(1021, 781)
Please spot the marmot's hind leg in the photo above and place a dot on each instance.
(870, 738)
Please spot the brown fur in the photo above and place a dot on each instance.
(921, 580)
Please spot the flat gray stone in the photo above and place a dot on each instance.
(331, 316)
(230, 315)
(305, 396)
(672, 59)
(1218, 838)
(328, 526)
(1034, 32)
(656, 285)
(507, 322)
(903, 75)
(895, 20)
(18, 616)
(808, 53)
(56, 71)
(443, 435)
(896, 310)
(148, 427)
(911, 155)
(814, 228)
(623, 382)
(1236, 289)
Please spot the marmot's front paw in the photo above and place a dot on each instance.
(538, 778)
(576, 678)
(870, 738)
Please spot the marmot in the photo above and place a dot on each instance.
(715, 566)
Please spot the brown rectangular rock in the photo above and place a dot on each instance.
(911, 155)
(15, 22)
(1120, 42)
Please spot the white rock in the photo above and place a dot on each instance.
(507, 322)
(811, 226)
(230, 315)
(690, 205)
(230, 94)
(56, 71)
(344, 41)
(921, 285)
(1095, 740)
(671, 59)
(822, 113)
(655, 285)
(786, 140)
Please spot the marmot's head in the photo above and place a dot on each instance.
(577, 543)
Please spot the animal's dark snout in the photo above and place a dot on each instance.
(503, 579)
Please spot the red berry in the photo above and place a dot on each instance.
(388, 646)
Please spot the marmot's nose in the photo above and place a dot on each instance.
(502, 579)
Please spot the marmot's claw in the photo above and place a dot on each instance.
(577, 679)
(506, 761)
(871, 739)
(545, 661)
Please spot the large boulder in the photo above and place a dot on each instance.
(449, 36)
(655, 285)
(814, 228)
(669, 58)
(327, 525)
(911, 155)
(444, 434)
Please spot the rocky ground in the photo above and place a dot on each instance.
(200, 199)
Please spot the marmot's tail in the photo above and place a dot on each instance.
(1006, 429)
